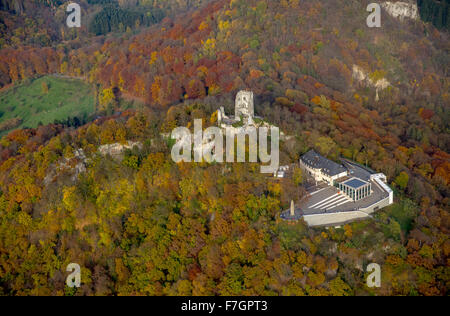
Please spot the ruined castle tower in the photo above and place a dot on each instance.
(244, 105)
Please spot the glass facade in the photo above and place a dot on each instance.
(355, 189)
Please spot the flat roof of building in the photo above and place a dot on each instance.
(355, 183)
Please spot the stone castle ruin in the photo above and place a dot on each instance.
(244, 110)
(244, 106)
(244, 118)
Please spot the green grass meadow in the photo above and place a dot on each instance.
(34, 104)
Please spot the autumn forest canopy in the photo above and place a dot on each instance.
(140, 224)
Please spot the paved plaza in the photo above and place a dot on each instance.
(325, 204)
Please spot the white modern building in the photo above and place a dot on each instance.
(343, 193)
(380, 179)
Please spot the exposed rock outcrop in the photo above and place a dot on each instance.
(77, 164)
(401, 10)
(362, 77)
(116, 150)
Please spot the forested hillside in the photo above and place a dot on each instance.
(113, 17)
(143, 225)
(43, 22)
(436, 12)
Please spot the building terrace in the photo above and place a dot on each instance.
(343, 191)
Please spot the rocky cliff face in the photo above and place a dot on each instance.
(116, 150)
(402, 10)
(77, 163)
